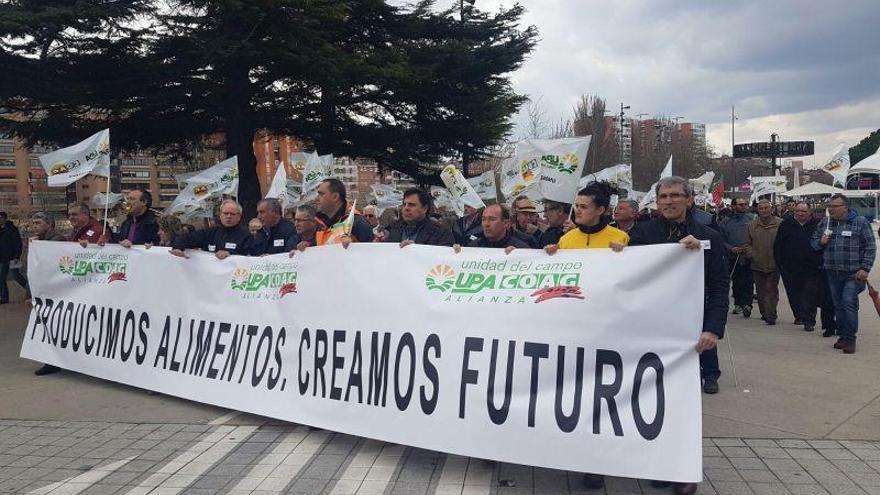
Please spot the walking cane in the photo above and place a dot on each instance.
(729, 340)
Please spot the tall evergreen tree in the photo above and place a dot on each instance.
(360, 78)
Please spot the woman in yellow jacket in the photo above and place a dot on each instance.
(593, 231)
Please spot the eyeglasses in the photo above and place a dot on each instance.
(369, 215)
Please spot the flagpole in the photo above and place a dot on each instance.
(106, 205)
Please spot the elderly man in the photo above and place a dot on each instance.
(86, 228)
(227, 238)
(556, 214)
(278, 235)
(496, 231)
(801, 268)
(675, 196)
(525, 225)
(141, 225)
(760, 236)
(625, 214)
(848, 250)
(415, 225)
(333, 211)
(734, 232)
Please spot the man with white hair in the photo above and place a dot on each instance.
(226, 238)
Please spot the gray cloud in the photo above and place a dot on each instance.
(695, 58)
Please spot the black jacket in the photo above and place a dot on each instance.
(146, 229)
(508, 240)
(235, 240)
(551, 236)
(532, 240)
(282, 238)
(427, 232)
(465, 231)
(792, 250)
(717, 278)
(10, 242)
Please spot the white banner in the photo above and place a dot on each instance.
(67, 165)
(484, 185)
(460, 189)
(512, 180)
(442, 198)
(582, 361)
(283, 189)
(557, 163)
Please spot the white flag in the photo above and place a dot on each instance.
(484, 185)
(442, 198)
(649, 200)
(667, 170)
(702, 183)
(462, 191)
(67, 165)
(838, 166)
(282, 189)
(512, 181)
(317, 169)
(204, 185)
(557, 165)
(619, 176)
(386, 196)
(107, 200)
(183, 179)
(762, 189)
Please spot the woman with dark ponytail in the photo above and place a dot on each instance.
(591, 219)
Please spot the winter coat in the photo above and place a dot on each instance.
(717, 277)
(759, 244)
(427, 232)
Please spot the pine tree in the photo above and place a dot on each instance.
(360, 78)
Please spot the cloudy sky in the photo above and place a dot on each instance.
(807, 70)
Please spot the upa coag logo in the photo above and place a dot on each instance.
(94, 268)
(441, 277)
(269, 281)
(502, 282)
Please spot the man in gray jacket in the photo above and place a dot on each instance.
(734, 232)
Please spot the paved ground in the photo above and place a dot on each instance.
(796, 417)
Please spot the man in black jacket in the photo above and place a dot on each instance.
(229, 237)
(278, 234)
(141, 226)
(674, 197)
(496, 231)
(415, 225)
(10, 251)
(801, 268)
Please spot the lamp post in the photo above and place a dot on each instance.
(620, 140)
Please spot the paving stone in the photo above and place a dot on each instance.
(737, 452)
(732, 488)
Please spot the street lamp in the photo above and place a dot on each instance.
(620, 141)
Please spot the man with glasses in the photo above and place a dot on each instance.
(848, 250)
(556, 214)
(675, 196)
(306, 227)
(229, 237)
(734, 231)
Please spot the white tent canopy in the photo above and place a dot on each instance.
(869, 164)
(813, 189)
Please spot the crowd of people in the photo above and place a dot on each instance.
(823, 262)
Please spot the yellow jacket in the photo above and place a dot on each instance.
(575, 239)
